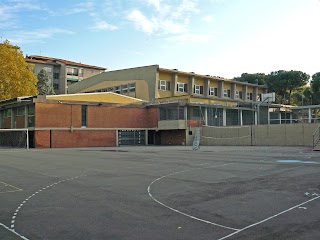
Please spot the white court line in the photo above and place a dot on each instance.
(185, 214)
(267, 219)
(16, 188)
(14, 232)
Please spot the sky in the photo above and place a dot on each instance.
(216, 37)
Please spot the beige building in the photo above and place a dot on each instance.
(155, 84)
(62, 72)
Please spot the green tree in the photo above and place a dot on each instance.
(315, 86)
(16, 76)
(43, 85)
(283, 83)
(255, 78)
(302, 97)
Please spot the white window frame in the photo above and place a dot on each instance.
(227, 93)
(181, 86)
(212, 91)
(164, 85)
(198, 89)
(249, 96)
(237, 95)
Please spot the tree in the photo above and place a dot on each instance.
(255, 78)
(43, 85)
(315, 86)
(16, 76)
(283, 83)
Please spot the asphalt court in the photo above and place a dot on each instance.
(160, 193)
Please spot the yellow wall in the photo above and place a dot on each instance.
(165, 76)
(183, 79)
(95, 97)
(227, 86)
(250, 89)
(199, 81)
(213, 84)
(239, 87)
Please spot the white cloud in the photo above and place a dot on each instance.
(154, 3)
(75, 9)
(9, 12)
(167, 18)
(208, 19)
(103, 25)
(188, 37)
(39, 35)
(142, 22)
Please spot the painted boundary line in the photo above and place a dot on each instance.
(267, 219)
(14, 232)
(182, 213)
(6, 184)
(13, 219)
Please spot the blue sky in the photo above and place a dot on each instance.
(215, 37)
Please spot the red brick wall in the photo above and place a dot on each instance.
(173, 137)
(41, 139)
(80, 138)
(20, 122)
(83, 138)
(57, 115)
(195, 123)
(7, 122)
(61, 115)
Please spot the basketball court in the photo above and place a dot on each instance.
(160, 193)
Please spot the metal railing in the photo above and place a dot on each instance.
(316, 137)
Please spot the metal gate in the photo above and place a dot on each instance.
(131, 137)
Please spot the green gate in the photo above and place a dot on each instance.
(131, 137)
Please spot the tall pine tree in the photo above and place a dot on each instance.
(43, 85)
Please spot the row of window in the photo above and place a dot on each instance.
(18, 111)
(75, 71)
(198, 89)
(122, 89)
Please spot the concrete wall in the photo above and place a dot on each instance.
(260, 135)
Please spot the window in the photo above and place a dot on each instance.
(132, 87)
(198, 89)
(117, 89)
(182, 87)
(227, 93)
(259, 97)
(81, 72)
(124, 88)
(56, 75)
(56, 86)
(7, 113)
(20, 111)
(84, 115)
(237, 95)
(31, 115)
(164, 85)
(249, 96)
(213, 91)
(72, 71)
(240, 95)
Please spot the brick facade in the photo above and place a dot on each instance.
(59, 125)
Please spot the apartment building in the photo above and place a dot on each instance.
(63, 73)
